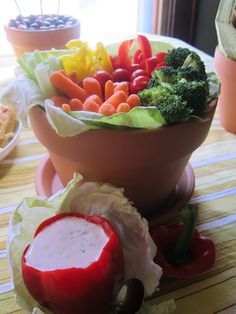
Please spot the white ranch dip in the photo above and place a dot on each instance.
(68, 242)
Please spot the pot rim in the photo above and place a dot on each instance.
(210, 112)
(27, 31)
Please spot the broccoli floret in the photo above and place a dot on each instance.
(193, 68)
(172, 107)
(153, 82)
(179, 89)
(166, 74)
(177, 56)
(191, 74)
(153, 96)
(195, 94)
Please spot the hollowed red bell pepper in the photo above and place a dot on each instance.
(181, 250)
(78, 290)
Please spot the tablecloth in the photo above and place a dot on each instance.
(214, 166)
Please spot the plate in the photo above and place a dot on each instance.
(48, 183)
(9, 147)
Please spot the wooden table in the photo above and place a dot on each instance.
(214, 165)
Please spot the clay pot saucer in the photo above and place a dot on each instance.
(146, 163)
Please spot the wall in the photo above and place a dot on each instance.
(205, 33)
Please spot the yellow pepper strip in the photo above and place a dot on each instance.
(85, 61)
(103, 58)
(74, 43)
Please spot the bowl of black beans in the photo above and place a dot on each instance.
(41, 32)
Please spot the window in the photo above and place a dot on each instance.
(101, 20)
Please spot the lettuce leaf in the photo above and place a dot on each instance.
(22, 93)
(138, 117)
(50, 58)
(90, 198)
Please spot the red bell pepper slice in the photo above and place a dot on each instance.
(160, 65)
(145, 46)
(182, 251)
(161, 57)
(114, 63)
(124, 59)
(151, 64)
(78, 290)
(138, 53)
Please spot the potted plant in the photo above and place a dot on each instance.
(42, 31)
(225, 64)
(144, 150)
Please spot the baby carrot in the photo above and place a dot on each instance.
(95, 98)
(76, 104)
(92, 86)
(117, 98)
(59, 100)
(90, 105)
(73, 77)
(133, 100)
(122, 86)
(107, 109)
(123, 107)
(66, 107)
(65, 84)
(109, 89)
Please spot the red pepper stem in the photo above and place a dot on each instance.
(189, 215)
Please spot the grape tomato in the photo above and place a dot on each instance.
(139, 83)
(120, 75)
(102, 77)
(138, 72)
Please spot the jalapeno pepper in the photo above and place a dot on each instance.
(182, 251)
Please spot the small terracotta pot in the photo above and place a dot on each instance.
(146, 163)
(226, 72)
(29, 40)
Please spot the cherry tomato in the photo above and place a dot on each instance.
(120, 75)
(139, 83)
(133, 67)
(138, 72)
(102, 77)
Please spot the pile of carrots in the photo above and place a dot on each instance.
(89, 96)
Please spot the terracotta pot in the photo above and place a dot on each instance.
(146, 163)
(29, 40)
(226, 72)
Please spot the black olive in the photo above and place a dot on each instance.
(130, 297)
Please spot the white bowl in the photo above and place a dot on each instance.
(9, 147)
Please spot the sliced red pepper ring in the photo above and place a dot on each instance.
(76, 289)
(145, 46)
(200, 254)
(123, 53)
